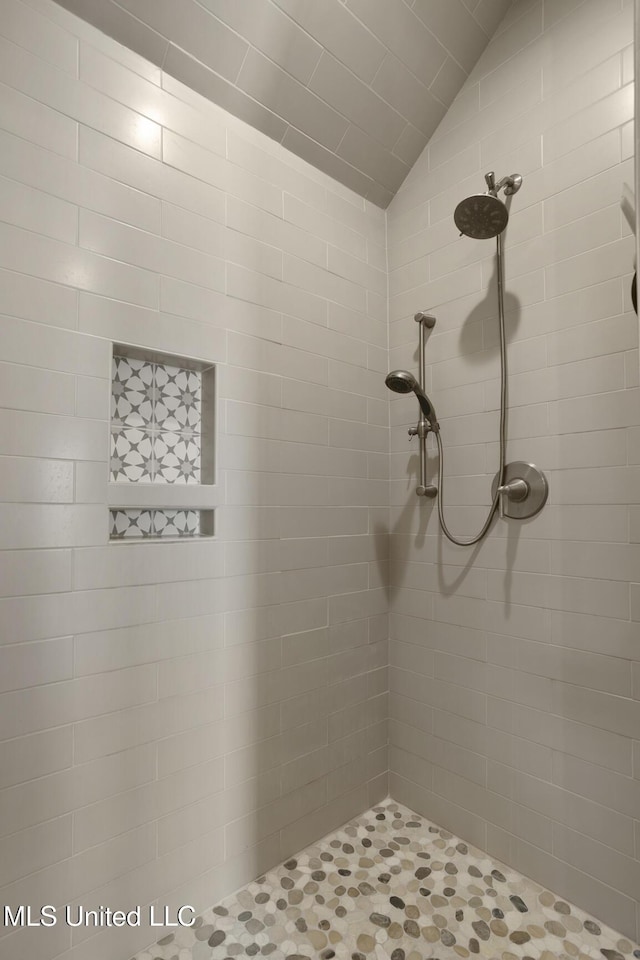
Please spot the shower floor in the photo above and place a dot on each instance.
(391, 884)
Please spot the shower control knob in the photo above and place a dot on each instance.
(524, 491)
(515, 490)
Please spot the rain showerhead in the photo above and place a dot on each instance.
(481, 216)
(401, 381)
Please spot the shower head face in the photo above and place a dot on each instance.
(401, 381)
(481, 216)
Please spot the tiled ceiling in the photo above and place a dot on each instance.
(356, 87)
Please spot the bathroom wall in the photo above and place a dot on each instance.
(177, 717)
(515, 666)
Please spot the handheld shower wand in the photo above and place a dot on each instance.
(401, 381)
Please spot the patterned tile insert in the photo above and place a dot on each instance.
(156, 417)
(130, 524)
(390, 884)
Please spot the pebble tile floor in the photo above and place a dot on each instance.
(391, 885)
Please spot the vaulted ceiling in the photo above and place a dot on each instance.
(356, 87)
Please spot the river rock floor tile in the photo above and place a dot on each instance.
(391, 885)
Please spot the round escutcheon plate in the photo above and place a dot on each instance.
(536, 497)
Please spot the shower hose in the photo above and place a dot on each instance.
(503, 422)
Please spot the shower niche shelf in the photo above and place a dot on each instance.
(162, 439)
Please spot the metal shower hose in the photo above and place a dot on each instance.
(503, 422)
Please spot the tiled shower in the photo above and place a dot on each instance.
(229, 626)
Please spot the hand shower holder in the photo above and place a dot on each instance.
(423, 488)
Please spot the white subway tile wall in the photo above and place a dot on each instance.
(514, 667)
(175, 718)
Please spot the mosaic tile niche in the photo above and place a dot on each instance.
(161, 434)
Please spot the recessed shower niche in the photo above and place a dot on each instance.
(162, 438)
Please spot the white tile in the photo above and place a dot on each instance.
(619, 560)
(41, 708)
(93, 395)
(617, 409)
(51, 348)
(102, 651)
(145, 563)
(51, 260)
(66, 179)
(110, 817)
(190, 158)
(39, 480)
(62, 614)
(30, 850)
(123, 322)
(576, 740)
(28, 29)
(614, 868)
(324, 227)
(33, 664)
(612, 111)
(27, 388)
(32, 434)
(147, 98)
(119, 731)
(584, 197)
(74, 99)
(28, 758)
(618, 482)
(100, 41)
(253, 253)
(273, 230)
(34, 299)
(328, 343)
(323, 283)
(34, 572)
(38, 211)
(264, 291)
(126, 165)
(72, 789)
(192, 230)
(371, 106)
(593, 339)
(278, 167)
(34, 121)
(627, 142)
(158, 255)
